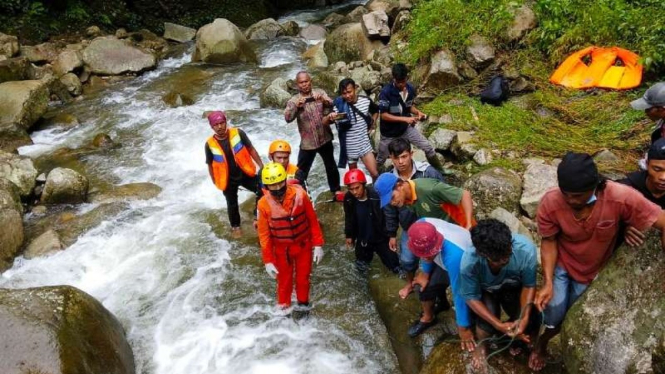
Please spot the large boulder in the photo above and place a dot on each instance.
(316, 56)
(126, 192)
(494, 188)
(18, 170)
(403, 18)
(45, 52)
(13, 136)
(45, 244)
(538, 178)
(59, 330)
(375, 25)
(333, 20)
(356, 15)
(462, 146)
(9, 46)
(64, 186)
(23, 102)
(11, 224)
(349, 43)
(67, 62)
(442, 139)
(390, 7)
(291, 28)
(111, 56)
(617, 325)
(513, 223)
(178, 33)
(313, 32)
(480, 51)
(265, 29)
(366, 78)
(524, 21)
(276, 95)
(15, 69)
(72, 82)
(442, 72)
(176, 99)
(222, 42)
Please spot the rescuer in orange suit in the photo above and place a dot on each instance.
(289, 234)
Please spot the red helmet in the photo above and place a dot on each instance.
(354, 176)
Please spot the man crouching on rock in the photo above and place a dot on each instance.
(440, 246)
(580, 222)
(289, 232)
(499, 272)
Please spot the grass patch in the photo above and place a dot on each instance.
(549, 121)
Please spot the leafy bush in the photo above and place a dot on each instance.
(568, 25)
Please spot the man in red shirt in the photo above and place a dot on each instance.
(579, 223)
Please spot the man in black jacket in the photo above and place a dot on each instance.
(364, 223)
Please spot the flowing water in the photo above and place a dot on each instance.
(191, 300)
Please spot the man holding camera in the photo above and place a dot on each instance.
(308, 108)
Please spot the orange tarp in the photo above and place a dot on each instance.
(614, 68)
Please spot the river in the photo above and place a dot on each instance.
(191, 301)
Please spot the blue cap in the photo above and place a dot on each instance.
(384, 186)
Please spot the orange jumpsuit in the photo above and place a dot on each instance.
(287, 232)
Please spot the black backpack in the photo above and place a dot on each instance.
(496, 92)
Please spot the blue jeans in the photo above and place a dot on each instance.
(407, 260)
(566, 292)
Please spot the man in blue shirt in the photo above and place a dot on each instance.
(499, 271)
(399, 116)
(440, 245)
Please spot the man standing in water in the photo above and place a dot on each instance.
(289, 234)
(230, 157)
(579, 223)
(308, 108)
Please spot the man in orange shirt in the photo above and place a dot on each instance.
(289, 234)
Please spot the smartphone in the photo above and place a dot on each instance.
(309, 99)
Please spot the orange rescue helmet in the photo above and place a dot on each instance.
(279, 146)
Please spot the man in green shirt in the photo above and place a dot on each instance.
(427, 198)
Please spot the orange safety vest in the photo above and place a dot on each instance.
(288, 227)
(220, 169)
(291, 171)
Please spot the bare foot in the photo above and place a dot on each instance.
(538, 357)
(236, 233)
(406, 291)
(479, 359)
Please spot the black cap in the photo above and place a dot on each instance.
(657, 150)
(577, 173)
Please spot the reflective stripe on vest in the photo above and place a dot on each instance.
(288, 227)
(220, 169)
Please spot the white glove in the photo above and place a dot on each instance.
(271, 270)
(318, 255)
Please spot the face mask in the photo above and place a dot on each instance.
(592, 199)
(278, 193)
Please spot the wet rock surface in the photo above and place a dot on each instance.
(11, 223)
(178, 33)
(617, 325)
(60, 330)
(112, 56)
(64, 186)
(19, 170)
(493, 188)
(265, 29)
(125, 192)
(23, 102)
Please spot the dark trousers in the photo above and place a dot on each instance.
(365, 253)
(437, 285)
(306, 158)
(231, 195)
(508, 298)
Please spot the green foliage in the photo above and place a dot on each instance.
(76, 13)
(550, 121)
(569, 25)
(450, 23)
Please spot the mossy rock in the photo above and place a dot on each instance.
(60, 329)
(617, 326)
